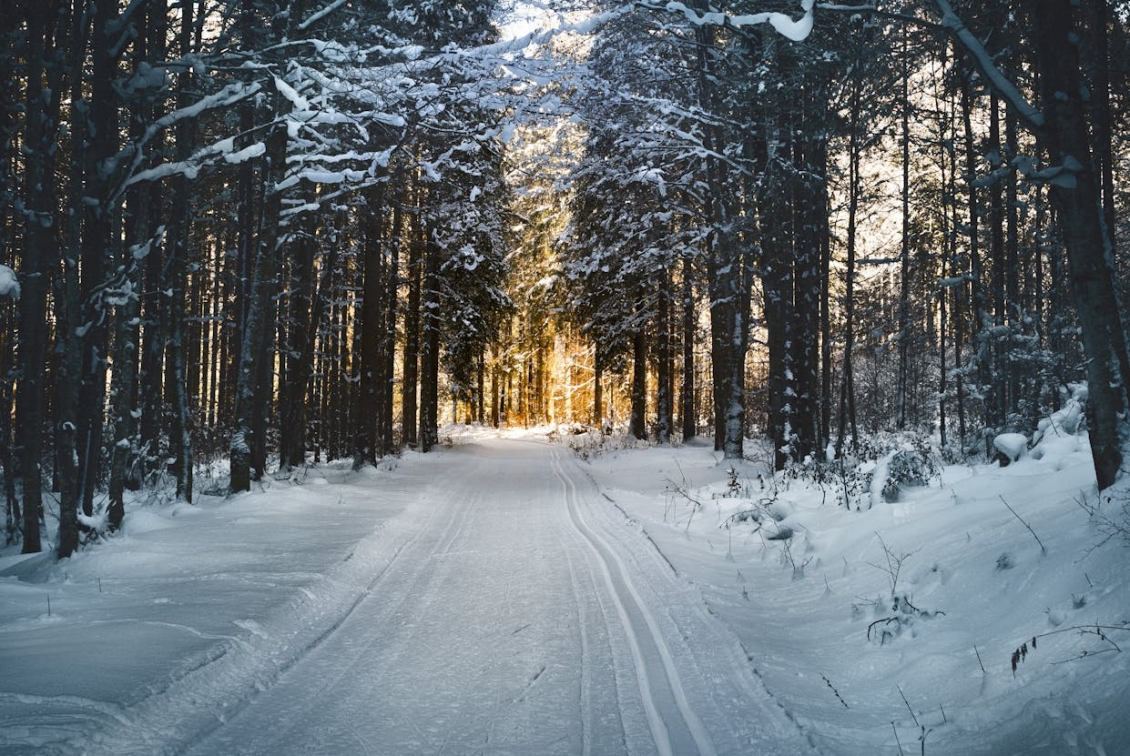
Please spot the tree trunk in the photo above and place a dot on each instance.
(68, 301)
(847, 374)
(1102, 118)
(38, 259)
(176, 284)
(687, 388)
(302, 367)
(1078, 202)
(98, 242)
(810, 208)
(1000, 375)
(299, 331)
(904, 252)
(260, 309)
(719, 241)
(740, 283)
(411, 373)
(638, 422)
(386, 443)
(10, 107)
(664, 404)
(980, 318)
(597, 388)
(429, 352)
(374, 289)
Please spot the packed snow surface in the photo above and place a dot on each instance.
(512, 596)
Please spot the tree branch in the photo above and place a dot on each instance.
(1026, 112)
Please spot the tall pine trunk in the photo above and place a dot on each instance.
(374, 289)
(176, 284)
(38, 259)
(1079, 204)
(387, 388)
(429, 352)
(687, 388)
(411, 370)
(665, 363)
(637, 425)
(260, 309)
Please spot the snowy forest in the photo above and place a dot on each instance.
(564, 377)
(274, 231)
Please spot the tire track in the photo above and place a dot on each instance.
(196, 705)
(457, 511)
(675, 727)
(584, 693)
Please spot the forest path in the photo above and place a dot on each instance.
(515, 621)
(508, 623)
(508, 608)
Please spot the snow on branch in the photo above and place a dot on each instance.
(796, 30)
(228, 96)
(291, 94)
(9, 283)
(1025, 111)
(319, 15)
(504, 49)
(190, 168)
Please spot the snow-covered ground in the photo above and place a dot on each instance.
(878, 628)
(506, 596)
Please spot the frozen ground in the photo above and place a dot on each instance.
(864, 667)
(482, 600)
(505, 597)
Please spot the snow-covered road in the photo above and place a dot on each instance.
(523, 616)
(503, 597)
(502, 606)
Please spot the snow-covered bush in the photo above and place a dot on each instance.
(907, 467)
(909, 461)
(894, 617)
(876, 468)
(588, 442)
(1010, 447)
(1058, 433)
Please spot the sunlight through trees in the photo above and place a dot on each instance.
(253, 235)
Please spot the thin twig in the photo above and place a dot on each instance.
(912, 714)
(883, 621)
(1043, 548)
(895, 729)
(833, 687)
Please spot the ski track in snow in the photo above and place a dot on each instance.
(631, 610)
(509, 609)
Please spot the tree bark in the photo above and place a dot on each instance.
(260, 308)
(664, 399)
(1062, 126)
(1079, 204)
(38, 259)
(904, 250)
(687, 388)
(429, 352)
(374, 289)
(847, 373)
(411, 371)
(299, 332)
(385, 440)
(597, 388)
(638, 421)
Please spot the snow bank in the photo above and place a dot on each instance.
(877, 628)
